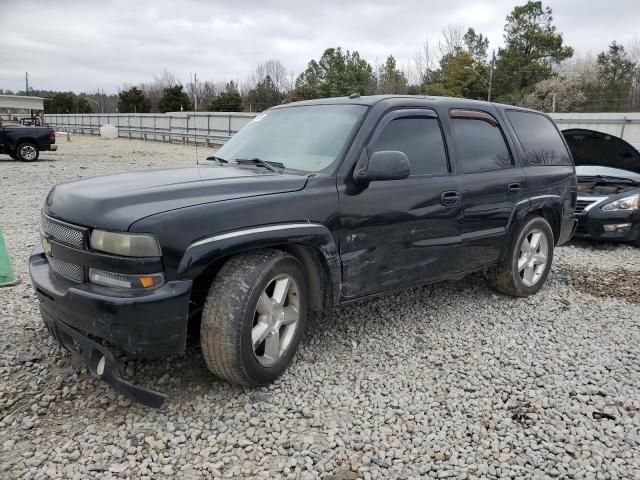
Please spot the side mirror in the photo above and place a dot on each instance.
(385, 165)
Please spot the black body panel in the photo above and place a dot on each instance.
(12, 136)
(368, 238)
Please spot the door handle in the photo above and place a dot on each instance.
(452, 197)
(514, 188)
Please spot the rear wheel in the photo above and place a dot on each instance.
(254, 317)
(528, 262)
(27, 152)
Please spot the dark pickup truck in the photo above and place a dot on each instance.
(311, 205)
(25, 143)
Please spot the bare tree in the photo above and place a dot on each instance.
(274, 69)
(633, 53)
(423, 65)
(153, 90)
(452, 41)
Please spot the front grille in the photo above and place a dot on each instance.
(63, 232)
(581, 205)
(71, 235)
(66, 269)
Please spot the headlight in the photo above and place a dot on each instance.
(627, 203)
(126, 244)
(120, 280)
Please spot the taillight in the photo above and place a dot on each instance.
(52, 136)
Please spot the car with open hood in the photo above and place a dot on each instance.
(312, 204)
(608, 172)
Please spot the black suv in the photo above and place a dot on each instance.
(311, 205)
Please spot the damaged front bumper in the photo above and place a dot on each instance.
(95, 322)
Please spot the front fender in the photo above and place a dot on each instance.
(204, 252)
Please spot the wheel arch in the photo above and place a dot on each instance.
(313, 246)
(22, 140)
(548, 207)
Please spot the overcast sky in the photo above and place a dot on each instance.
(87, 45)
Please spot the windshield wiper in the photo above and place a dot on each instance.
(220, 161)
(273, 166)
(609, 178)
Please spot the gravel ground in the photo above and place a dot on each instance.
(446, 381)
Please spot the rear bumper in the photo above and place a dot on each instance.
(53, 147)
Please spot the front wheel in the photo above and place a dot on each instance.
(254, 317)
(528, 262)
(27, 152)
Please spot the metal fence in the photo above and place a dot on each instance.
(205, 128)
(623, 125)
(217, 128)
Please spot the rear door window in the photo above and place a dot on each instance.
(420, 139)
(540, 139)
(480, 144)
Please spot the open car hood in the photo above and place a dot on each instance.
(589, 147)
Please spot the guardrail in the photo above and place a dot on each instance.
(187, 127)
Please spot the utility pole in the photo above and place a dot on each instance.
(493, 62)
(553, 103)
(26, 83)
(195, 91)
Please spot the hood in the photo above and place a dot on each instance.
(114, 202)
(589, 147)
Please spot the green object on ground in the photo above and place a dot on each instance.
(7, 277)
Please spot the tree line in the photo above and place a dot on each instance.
(534, 68)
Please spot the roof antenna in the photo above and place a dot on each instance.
(195, 134)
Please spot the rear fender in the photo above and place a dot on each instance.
(205, 252)
(523, 208)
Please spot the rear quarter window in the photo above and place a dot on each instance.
(540, 139)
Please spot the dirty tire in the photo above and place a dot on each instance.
(505, 277)
(230, 309)
(27, 152)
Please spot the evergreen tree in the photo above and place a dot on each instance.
(390, 79)
(335, 74)
(616, 76)
(133, 101)
(227, 101)
(264, 95)
(174, 99)
(532, 48)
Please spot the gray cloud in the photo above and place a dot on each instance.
(86, 45)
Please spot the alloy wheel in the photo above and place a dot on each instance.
(533, 257)
(28, 152)
(275, 320)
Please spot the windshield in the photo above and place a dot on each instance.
(308, 138)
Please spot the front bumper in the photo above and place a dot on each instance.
(591, 224)
(105, 321)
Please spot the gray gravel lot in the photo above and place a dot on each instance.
(446, 381)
